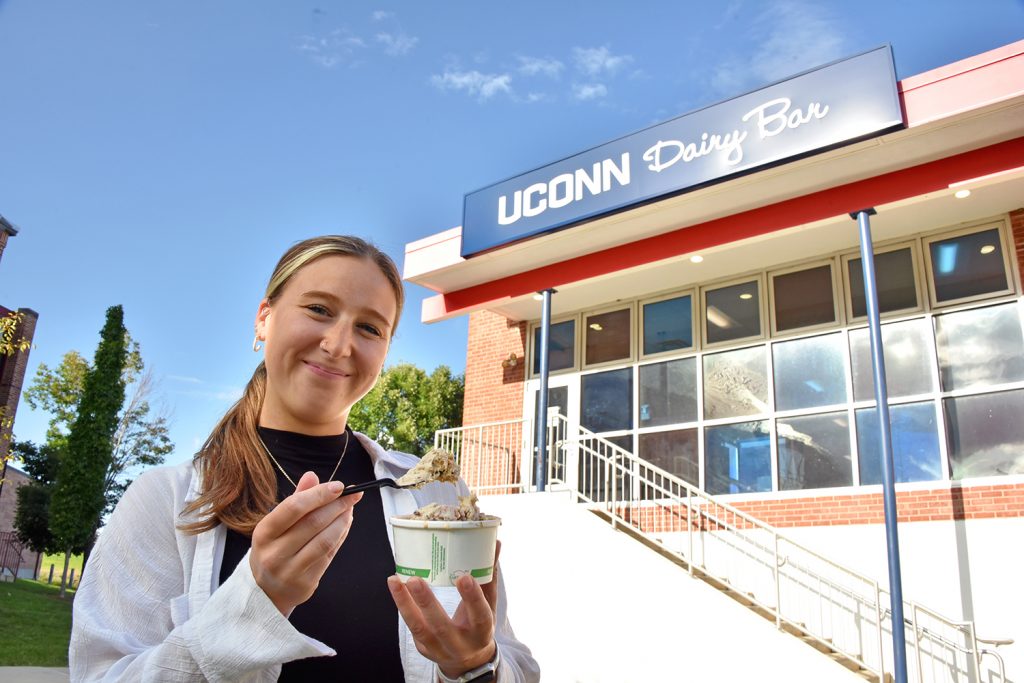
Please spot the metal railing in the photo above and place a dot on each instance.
(801, 590)
(10, 553)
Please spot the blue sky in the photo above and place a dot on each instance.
(163, 155)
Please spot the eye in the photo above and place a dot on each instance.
(371, 329)
(318, 309)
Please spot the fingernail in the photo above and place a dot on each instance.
(335, 487)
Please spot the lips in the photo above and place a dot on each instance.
(330, 373)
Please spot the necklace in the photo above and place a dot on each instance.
(344, 450)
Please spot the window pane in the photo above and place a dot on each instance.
(968, 265)
(560, 346)
(668, 325)
(979, 347)
(803, 298)
(733, 312)
(607, 336)
(915, 443)
(894, 274)
(735, 383)
(986, 434)
(595, 464)
(737, 458)
(607, 399)
(814, 452)
(675, 452)
(668, 392)
(809, 372)
(908, 367)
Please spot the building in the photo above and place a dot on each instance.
(12, 376)
(716, 327)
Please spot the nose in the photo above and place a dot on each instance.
(338, 340)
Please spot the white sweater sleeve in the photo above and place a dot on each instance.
(131, 617)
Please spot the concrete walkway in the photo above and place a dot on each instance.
(33, 674)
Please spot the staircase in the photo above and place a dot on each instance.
(840, 613)
(10, 555)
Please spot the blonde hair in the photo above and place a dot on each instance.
(238, 485)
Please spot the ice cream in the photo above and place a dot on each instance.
(437, 465)
(466, 510)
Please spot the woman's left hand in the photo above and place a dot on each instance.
(457, 644)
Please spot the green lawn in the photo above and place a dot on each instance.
(58, 566)
(36, 624)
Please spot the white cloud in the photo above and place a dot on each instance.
(588, 91)
(533, 66)
(183, 378)
(340, 46)
(483, 86)
(381, 15)
(594, 61)
(398, 44)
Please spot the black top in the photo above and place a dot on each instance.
(352, 610)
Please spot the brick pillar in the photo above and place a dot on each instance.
(12, 374)
(494, 386)
(1017, 228)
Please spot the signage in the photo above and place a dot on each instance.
(843, 102)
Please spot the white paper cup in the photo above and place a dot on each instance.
(441, 551)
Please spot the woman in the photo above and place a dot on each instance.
(247, 563)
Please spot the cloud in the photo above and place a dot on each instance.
(596, 61)
(398, 44)
(588, 91)
(183, 378)
(790, 36)
(480, 85)
(340, 46)
(533, 66)
(381, 15)
(227, 395)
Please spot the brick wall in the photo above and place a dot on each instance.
(494, 392)
(12, 374)
(8, 504)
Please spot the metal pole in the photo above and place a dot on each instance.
(899, 639)
(541, 441)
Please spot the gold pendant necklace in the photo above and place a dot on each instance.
(344, 450)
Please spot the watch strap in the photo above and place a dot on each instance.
(481, 674)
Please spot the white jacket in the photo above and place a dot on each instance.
(149, 607)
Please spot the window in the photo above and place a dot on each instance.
(968, 266)
(986, 434)
(915, 443)
(607, 399)
(979, 347)
(803, 298)
(561, 347)
(737, 458)
(668, 392)
(814, 452)
(908, 363)
(895, 278)
(607, 336)
(667, 325)
(675, 452)
(732, 312)
(809, 372)
(735, 383)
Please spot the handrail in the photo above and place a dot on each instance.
(829, 603)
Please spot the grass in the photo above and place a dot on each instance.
(57, 561)
(35, 623)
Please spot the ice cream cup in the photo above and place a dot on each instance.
(440, 551)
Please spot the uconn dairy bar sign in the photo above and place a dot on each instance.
(837, 104)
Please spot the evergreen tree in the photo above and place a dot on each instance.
(78, 498)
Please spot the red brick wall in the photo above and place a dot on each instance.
(494, 392)
(12, 374)
(1017, 227)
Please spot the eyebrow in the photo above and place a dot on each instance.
(366, 310)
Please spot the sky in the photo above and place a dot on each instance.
(162, 155)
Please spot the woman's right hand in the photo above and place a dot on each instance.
(293, 545)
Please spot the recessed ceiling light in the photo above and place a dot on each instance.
(988, 249)
(961, 194)
(696, 258)
(746, 295)
(596, 327)
(538, 297)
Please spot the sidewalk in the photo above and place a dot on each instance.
(33, 674)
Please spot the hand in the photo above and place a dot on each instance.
(293, 545)
(463, 642)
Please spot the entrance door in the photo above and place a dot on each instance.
(563, 397)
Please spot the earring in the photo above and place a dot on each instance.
(256, 346)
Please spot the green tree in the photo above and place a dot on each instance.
(407, 406)
(78, 497)
(32, 515)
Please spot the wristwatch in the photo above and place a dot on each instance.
(481, 674)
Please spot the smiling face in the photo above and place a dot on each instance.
(326, 336)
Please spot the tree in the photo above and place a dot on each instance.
(407, 406)
(78, 497)
(32, 515)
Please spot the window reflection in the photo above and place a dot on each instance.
(803, 298)
(675, 452)
(894, 277)
(668, 325)
(597, 465)
(668, 392)
(607, 399)
(809, 372)
(915, 443)
(737, 458)
(733, 312)
(969, 265)
(986, 434)
(979, 347)
(607, 336)
(561, 346)
(908, 363)
(814, 452)
(735, 383)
